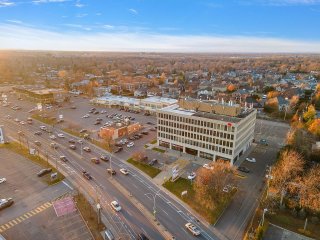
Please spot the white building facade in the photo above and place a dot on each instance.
(206, 134)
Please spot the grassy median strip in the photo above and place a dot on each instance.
(154, 141)
(183, 184)
(151, 171)
(23, 151)
(44, 120)
(158, 150)
(90, 216)
(72, 132)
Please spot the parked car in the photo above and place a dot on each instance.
(83, 130)
(2, 180)
(43, 128)
(111, 171)
(192, 176)
(86, 175)
(115, 206)
(37, 143)
(145, 132)
(72, 141)
(153, 162)
(264, 142)
(130, 144)
(253, 160)
(193, 229)
(207, 166)
(44, 172)
(95, 160)
(124, 171)
(4, 203)
(244, 169)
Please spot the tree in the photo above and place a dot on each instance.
(309, 190)
(314, 127)
(309, 115)
(140, 156)
(286, 170)
(231, 88)
(272, 94)
(209, 183)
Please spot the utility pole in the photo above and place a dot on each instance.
(264, 212)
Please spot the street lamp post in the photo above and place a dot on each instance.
(154, 202)
(264, 212)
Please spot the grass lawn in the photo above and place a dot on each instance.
(286, 220)
(158, 150)
(183, 184)
(154, 141)
(90, 216)
(44, 120)
(151, 171)
(23, 151)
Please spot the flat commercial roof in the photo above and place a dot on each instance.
(136, 101)
(175, 109)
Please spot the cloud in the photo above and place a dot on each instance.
(108, 26)
(79, 5)
(6, 4)
(78, 26)
(49, 1)
(81, 15)
(14, 21)
(98, 14)
(133, 11)
(30, 38)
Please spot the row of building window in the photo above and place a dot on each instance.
(206, 124)
(196, 143)
(196, 135)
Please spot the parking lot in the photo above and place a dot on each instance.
(32, 209)
(73, 118)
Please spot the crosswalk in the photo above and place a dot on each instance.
(23, 217)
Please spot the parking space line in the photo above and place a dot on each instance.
(23, 217)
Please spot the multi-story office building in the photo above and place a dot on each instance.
(207, 129)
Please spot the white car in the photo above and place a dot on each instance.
(16, 120)
(253, 160)
(86, 116)
(52, 137)
(23, 123)
(115, 205)
(124, 171)
(61, 135)
(207, 166)
(130, 144)
(192, 176)
(44, 128)
(193, 229)
(2, 180)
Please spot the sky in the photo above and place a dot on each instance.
(244, 26)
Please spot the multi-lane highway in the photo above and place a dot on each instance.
(169, 212)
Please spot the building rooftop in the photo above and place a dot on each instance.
(225, 118)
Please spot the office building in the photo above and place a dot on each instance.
(207, 129)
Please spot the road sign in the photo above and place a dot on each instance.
(1, 135)
(39, 106)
